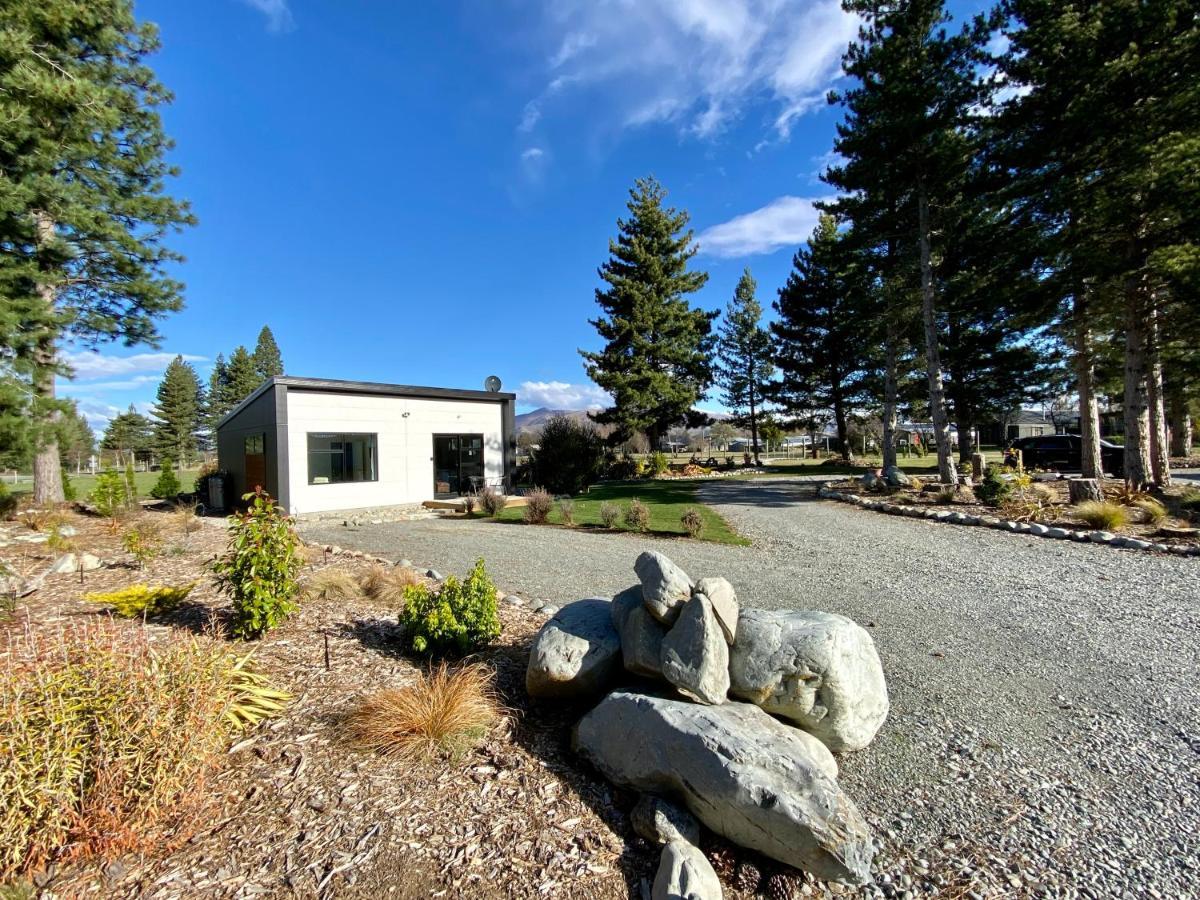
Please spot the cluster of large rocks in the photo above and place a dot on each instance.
(719, 715)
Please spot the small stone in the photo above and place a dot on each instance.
(1101, 537)
(68, 531)
(1037, 528)
(1058, 533)
(405, 563)
(89, 562)
(65, 564)
(660, 821)
(548, 610)
(434, 574)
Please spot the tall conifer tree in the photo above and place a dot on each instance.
(85, 214)
(178, 413)
(745, 365)
(656, 357)
(267, 359)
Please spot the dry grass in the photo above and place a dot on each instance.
(445, 713)
(1152, 512)
(1101, 514)
(335, 585)
(386, 585)
(566, 512)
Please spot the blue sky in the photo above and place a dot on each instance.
(421, 193)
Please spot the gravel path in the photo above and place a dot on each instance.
(1045, 727)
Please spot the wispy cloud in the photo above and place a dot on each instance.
(562, 395)
(695, 63)
(532, 154)
(278, 13)
(784, 222)
(86, 364)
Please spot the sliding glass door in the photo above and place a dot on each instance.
(457, 464)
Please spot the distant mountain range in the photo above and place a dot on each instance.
(532, 421)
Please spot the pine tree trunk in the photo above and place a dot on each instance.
(839, 418)
(1137, 413)
(933, 362)
(889, 397)
(1181, 425)
(754, 427)
(1089, 409)
(1160, 462)
(47, 467)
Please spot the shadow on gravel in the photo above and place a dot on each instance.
(768, 494)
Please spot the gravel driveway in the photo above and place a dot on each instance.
(1045, 728)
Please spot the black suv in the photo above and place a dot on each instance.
(1064, 453)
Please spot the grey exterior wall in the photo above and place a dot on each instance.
(259, 416)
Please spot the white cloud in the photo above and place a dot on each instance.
(533, 154)
(695, 63)
(127, 384)
(784, 222)
(279, 15)
(561, 395)
(87, 364)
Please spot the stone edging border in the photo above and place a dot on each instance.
(1032, 528)
(545, 607)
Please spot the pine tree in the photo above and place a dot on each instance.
(215, 396)
(178, 412)
(84, 158)
(76, 440)
(656, 357)
(745, 365)
(267, 359)
(128, 434)
(821, 339)
(241, 377)
(906, 141)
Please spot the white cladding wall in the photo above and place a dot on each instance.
(405, 445)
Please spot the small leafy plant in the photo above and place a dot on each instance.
(458, 619)
(658, 463)
(692, 521)
(538, 504)
(142, 541)
(994, 490)
(260, 566)
(142, 600)
(610, 514)
(637, 515)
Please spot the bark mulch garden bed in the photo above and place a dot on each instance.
(296, 812)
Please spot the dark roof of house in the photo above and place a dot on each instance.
(339, 386)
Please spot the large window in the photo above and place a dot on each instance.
(336, 458)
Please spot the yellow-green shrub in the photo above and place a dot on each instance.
(108, 740)
(142, 599)
(459, 618)
(1102, 514)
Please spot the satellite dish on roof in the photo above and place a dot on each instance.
(492, 383)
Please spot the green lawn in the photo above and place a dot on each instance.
(144, 481)
(666, 499)
(913, 465)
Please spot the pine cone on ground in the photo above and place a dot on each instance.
(783, 886)
(747, 877)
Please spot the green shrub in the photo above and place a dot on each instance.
(1102, 514)
(260, 567)
(569, 455)
(458, 619)
(993, 490)
(538, 504)
(108, 496)
(142, 600)
(692, 521)
(610, 514)
(657, 463)
(637, 515)
(623, 468)
(167, 487)
(8, 503)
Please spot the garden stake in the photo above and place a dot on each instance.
(326, 636)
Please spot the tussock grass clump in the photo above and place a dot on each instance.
(109, 741)
(538, 504)
(386, 586)
(692, 521)
(334, 585)
(445, 713)
(1102, 514)
(142, 599)
(566, 512)
(1152, 511)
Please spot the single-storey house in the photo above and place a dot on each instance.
(319, 445)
